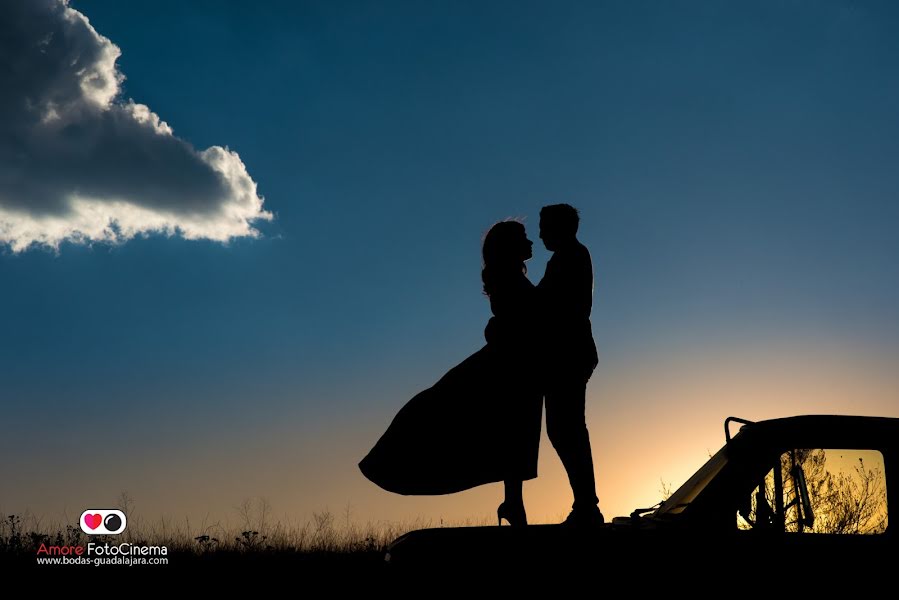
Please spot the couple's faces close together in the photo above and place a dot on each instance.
(546, 234)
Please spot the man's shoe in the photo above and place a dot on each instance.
(584, 517)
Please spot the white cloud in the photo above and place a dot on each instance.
(79, 163)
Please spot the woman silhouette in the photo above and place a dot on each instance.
(480, 423)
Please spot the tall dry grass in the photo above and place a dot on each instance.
(254, 529)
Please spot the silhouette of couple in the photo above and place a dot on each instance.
(480, 423)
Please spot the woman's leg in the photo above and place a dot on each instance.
(512, 509)
(513, 492)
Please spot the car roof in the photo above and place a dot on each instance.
(811, 431)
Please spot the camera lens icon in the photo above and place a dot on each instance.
(103, 521)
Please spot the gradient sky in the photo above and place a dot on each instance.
(735, 169)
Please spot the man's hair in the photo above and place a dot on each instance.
(562, 216)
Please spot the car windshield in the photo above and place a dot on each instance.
(685, 494)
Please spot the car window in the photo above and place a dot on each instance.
(834, 491)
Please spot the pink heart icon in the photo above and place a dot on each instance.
(93, 521)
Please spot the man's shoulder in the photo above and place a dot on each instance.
(578, 253)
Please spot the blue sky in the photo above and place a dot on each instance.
(734, 165)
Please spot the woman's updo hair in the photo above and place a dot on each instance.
(502, 254)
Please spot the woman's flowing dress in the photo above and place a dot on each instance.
(480, 423)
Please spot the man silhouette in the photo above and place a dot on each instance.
(566, 296)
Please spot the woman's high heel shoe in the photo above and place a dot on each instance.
(513, 513)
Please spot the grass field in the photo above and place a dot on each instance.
(325, 542)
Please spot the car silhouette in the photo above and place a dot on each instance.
(783, 498)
